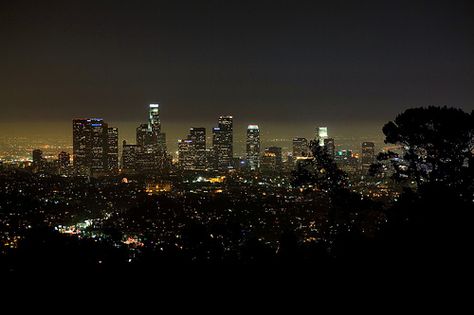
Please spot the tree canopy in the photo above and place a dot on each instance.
(437, 145)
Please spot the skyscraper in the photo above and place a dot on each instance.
(198, 138)
(322, 134)
(192, 154)
(253, 147)
(330, 147)
(99, 146)
(112, 149)
(158, 138)
(154, 122)
(130, 153)
(186, 154)
(90, 146)
(161, 143)
(222, 143)
(81, 145)
(300, 147)
(151, 151)
(368, 155)
(144, 136)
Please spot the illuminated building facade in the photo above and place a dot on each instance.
(198, 138)
(322, 134)
(130, 154)
(223, 143)
(154, 122)
(151, 151)
(253, 147)
(192, 154)
(90, 146)
(154, 126)
(186, 154)
(144, 136)
(112, 149)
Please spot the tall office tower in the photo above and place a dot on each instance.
(186, 154)
(300, 147)
(272, 160)
(322, 134)
(154, 122)
(161, 143)
(37, 156)
(154, 126)
(253, 147)
(151, 143)
(144, 136)
(211, 160)
(222, 143)
(198, 138)
(81, 144)
(99, 146)
(112, 149)
(330, 147)
(368, 155)
(216, 148)
(90, 146)
(130, 154)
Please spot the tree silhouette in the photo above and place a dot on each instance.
(320, 171)
(431, 223)
(437, 145)
(346, 210)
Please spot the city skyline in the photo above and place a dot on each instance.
(271, 134)
(96, 150)
(144, 137)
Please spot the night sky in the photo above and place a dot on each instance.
(262, 60)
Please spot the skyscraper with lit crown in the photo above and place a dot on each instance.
(253, 147)
(151, 151)
(154, 122)
(322, 135)
(154, 127)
